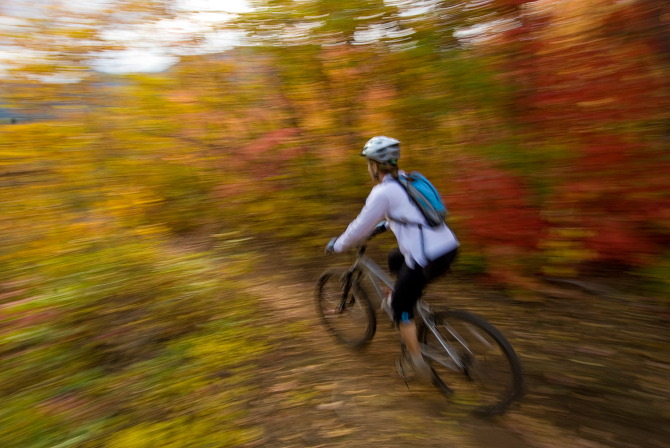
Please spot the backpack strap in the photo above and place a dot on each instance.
(403, 184)
(420, 226)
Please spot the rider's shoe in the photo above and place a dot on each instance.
(410, 368)
(422, 370)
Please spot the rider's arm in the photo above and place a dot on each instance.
(374, 211)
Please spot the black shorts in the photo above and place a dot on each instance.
(410, 283)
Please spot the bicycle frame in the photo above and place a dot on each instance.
(377, 277)
(373, 271)
(464, 352)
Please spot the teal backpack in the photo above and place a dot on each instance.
(425, 196)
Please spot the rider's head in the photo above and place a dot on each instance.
(382, 154)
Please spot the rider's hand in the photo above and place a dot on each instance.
(330, 247)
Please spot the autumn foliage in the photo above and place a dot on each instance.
(547, 134)
(132, 204)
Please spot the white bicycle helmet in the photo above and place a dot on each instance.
(382, 149)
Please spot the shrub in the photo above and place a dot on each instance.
(119, 343)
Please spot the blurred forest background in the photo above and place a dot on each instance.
(132, 204)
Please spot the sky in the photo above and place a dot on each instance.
(147, 47)
(146, 51)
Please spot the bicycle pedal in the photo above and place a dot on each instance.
(401, 370)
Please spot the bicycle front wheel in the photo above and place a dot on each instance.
(345, 309)
(483, 372)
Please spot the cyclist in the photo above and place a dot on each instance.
(423, 252)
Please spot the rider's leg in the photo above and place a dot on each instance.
(408, 287)
(408, 335)
(407, 291)
(395, 261)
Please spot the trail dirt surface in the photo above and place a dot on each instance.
(597, 371)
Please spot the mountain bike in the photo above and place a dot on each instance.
(471, 361)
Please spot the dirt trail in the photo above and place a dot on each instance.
(586, 389)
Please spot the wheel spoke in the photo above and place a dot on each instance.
(350, 319)
(489, 374)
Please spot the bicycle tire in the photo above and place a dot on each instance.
(353, 326)
(491, 378)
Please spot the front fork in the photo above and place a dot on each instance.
(347, 281)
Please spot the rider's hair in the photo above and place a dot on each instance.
(387, 168)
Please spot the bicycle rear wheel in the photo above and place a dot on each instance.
(345, 309)
(489, 377)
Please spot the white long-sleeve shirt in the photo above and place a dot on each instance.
(389, 201)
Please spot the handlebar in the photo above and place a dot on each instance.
(381, 228)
